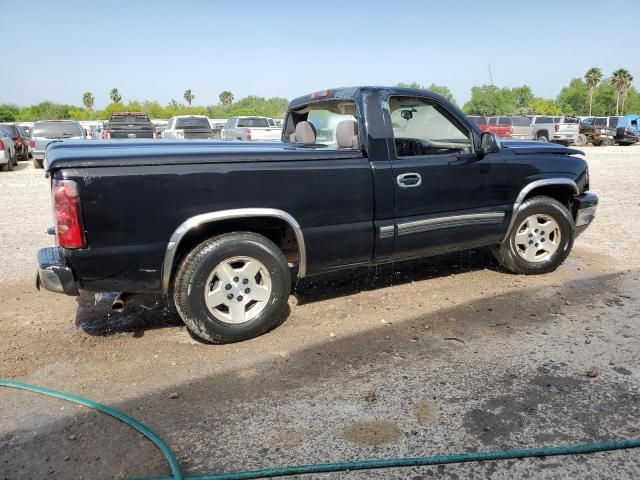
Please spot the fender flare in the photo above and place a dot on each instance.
(532, 186)
(205, 218)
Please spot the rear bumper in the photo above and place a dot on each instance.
(53, 273)
(586, 211)
(565, 137)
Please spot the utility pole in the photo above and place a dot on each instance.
(490, 75)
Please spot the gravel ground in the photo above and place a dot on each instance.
(444, 355)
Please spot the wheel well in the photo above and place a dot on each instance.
(542, 133)
(275, 229)
(562, 193)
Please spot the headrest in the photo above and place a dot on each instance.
(305, 133)
(347, 134)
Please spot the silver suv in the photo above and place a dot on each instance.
(555, 129)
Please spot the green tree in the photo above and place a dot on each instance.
(410, 85)
(8, 113)
(115, 95)
(574, 99)
(543, 106)
(490, 100)
(521, 97)
(592, 78)
(188, 96)
(621, 82)
(443, 91)
(226, 97)
(88, 100)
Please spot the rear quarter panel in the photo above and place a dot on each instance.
(130, 212)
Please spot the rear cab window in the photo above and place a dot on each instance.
(192, 123)
(521, 122)
(253, 122)
(324, 117)
(57, 129)
(130, 118)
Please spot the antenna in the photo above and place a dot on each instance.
(490, 75)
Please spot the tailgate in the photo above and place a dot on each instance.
(266, 133)
(132, 131)
(569, 128)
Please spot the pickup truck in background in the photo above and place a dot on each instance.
(251, 128)
(627, 131)
(188, 127)
(129, 125)
(222, 227)
(49, 131)
(513, 128)
(563, 130)
(597, 131)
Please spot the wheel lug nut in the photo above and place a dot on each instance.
(227, 286)
(247, 290)
(530, 242)
(536, 244)
(245, 280)
(542, 240)
(239, 298)
(531, 235)
(230, 296)
(235, 279)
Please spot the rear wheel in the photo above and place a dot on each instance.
(542, 138)
(581, 140)
(541, 238)
(232, 287)
(15, 160)
(597, 143)
(9, 165)
(37, 163)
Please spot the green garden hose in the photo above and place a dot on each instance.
(329, 467)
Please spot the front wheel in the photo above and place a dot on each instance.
(540, 240)
(580, 141)
(232, 287)
(597, 143)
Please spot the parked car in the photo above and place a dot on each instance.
(514, 128)
(8, 155)
(48, 131)
(478, 119)
(397, 174)
(188, 127)
(128, 125)
(597, 131)
(251, 128)
(555, 129)
(627, 132)
(20, 139)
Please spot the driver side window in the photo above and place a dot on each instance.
(422, 128)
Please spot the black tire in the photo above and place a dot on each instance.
(506, 253)
(542, 138)
(624, 144)
(9, 164)
(37, 163)
(15, 160)
(5, 167)
(581, 140)
(597, 143)
(191, 279)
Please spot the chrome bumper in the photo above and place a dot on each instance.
(53, 273)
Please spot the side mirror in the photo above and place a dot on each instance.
(489, 143)
(406, 114)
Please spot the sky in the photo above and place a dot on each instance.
(155, 50)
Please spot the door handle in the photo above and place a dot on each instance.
(409, 180)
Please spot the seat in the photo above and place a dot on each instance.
(305, 133)
(347, 134)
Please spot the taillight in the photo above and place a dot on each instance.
(107, 134)
(68, 218)
(557, 127)
(248, 134)
(32, 144)
(1, 145)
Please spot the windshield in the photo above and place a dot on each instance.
(253, 122)
(613, 121)
(193, 122)
(57, 129)
(588, 121)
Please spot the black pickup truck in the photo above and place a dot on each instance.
(363, 176)
(129, 125)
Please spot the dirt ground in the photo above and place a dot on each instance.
(443, 355)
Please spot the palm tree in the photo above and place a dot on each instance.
(592, 77)
(188, 96)
(226, 97)
(88, 100)
(621, 81)
(115, 95)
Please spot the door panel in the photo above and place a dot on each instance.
(446, 197)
